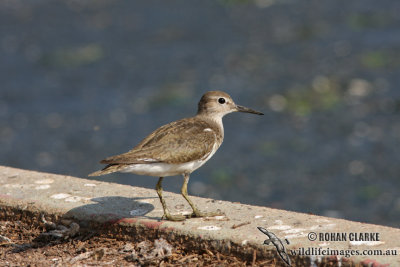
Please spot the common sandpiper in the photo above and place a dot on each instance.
(179, 148)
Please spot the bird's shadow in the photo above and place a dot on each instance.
(104, 210)
(113, 207)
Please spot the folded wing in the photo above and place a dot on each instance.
(177, 142)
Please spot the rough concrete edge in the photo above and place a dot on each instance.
(130, 228)
(138, 229)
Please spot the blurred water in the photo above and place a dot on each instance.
(83, 80)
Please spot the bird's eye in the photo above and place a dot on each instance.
(221, 100)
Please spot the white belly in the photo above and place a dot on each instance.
(166, 169)
(163, 169)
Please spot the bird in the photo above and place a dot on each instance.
(179, 148)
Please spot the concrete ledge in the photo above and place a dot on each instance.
(133, 213)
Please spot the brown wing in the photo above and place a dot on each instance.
(181, 141)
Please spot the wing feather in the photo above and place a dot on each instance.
(181, 141)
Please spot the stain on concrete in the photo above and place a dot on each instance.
(60, 196)
(44, 181)
(209, 228)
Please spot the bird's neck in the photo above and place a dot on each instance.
(213, 119)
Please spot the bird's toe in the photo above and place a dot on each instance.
(198, 214)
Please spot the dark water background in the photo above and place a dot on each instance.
(84, 79)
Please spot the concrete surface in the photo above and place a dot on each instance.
(133, 212)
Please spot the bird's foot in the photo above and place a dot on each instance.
(197, 214)
(175, 218)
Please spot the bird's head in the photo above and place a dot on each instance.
(217, 103)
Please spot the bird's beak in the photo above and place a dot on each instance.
(247, 110)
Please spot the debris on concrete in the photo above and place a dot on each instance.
(239, 225)
(4, 239)
(150, 253)
(60, 230)
(96, 255)
(94, 249)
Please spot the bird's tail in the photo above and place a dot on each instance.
(106, 170)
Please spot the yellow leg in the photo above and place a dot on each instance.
(196, 211)
(167, 215)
